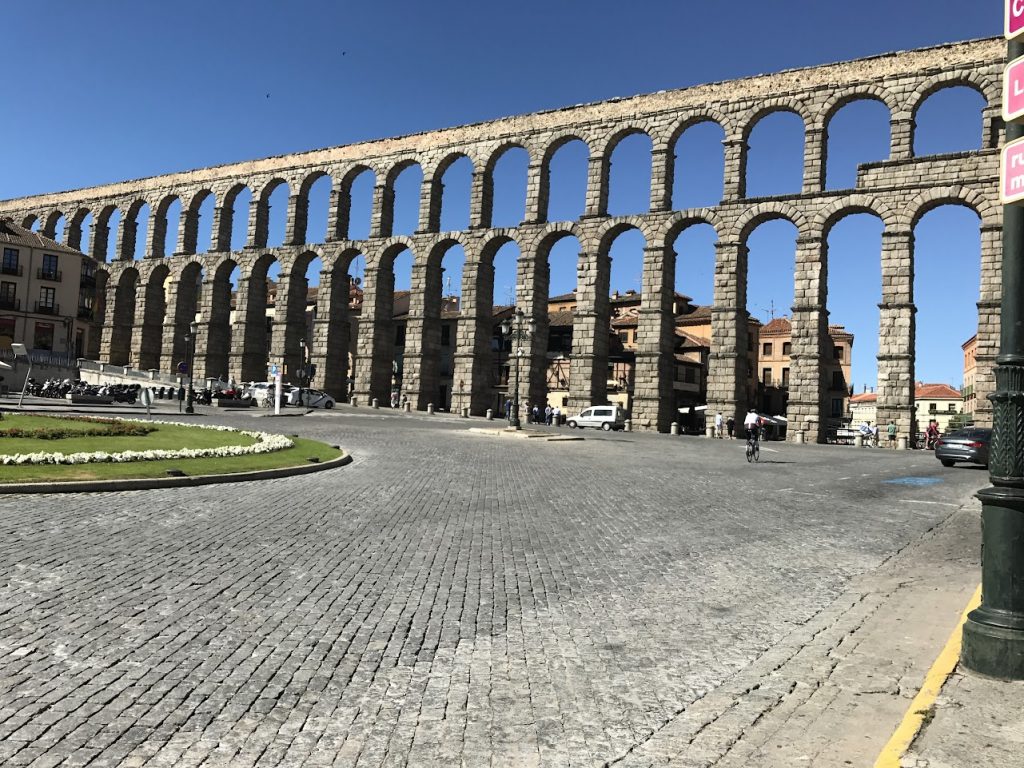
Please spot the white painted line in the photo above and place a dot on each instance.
(922, 501)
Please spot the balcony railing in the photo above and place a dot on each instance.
(88, 279)
(12, 269)
(14, 304)
(54, 275)
(84, 313)
(47, 309)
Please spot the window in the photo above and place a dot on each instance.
(952, 407)
(7, 328)
(446, 335)
(690, 375)
(49, 264)
(8, 295)
(10, 263)
(837, 407)
(766, 349)
(787, 348)
(932, 407)
(399, 335)
(837, 380)
(80, 343)
(766, 376)
(624, 337)
(47, 297)
(785, 375)
(43, 337)
(837, 353)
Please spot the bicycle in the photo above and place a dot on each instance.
(753, 447)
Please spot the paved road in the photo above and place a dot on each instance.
(448, 598)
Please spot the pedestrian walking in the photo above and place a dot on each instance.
(548, 410)
(508, 410)
(394, 399)
(891, 433)
(730, 425)
(718, 425)
(557, 414)
(536, 414)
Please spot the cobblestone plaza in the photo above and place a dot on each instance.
(449, 598)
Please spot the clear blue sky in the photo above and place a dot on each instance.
(120, 89)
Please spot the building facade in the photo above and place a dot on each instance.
(970, 348)
(47, 294)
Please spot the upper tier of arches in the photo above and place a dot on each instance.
(279, 201)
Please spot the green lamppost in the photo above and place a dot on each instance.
(993, 638)
(518, 330)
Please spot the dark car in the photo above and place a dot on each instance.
(970, 445)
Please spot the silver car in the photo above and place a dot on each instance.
(969, 445)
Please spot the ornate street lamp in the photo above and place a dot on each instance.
(190, 341)
(519, 330)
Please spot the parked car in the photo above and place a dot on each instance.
(311, 398)
(606, 417)
(968, 445)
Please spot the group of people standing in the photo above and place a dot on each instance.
(534, 415)
(722, 424)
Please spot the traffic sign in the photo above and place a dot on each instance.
(146, 396)
(183, 368)
(1013, 91)
(1011, 173)
(1014, 26)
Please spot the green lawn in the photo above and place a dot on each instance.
(166, 437)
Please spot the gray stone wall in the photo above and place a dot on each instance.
(138, 321)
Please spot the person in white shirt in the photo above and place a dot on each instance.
(718, 425)
(751, 425)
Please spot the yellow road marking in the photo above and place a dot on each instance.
(933, 682)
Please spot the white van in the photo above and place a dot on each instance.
(604, 417)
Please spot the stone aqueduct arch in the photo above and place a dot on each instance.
(141, 324)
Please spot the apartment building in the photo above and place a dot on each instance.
(47, 293)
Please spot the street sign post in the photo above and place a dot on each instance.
(993, 634)
(1014, 26)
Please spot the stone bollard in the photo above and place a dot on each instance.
(858, 441)
(628, 426)
(407, 406)
(465, 411)
(354, 401)
(709, 431)
(375, 403)
(901, 443)
(490, 414)
(800, 437)
(675, 428)
(430, 409)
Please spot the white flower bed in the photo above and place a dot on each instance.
(265, 443)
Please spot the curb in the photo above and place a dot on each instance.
(152, 483)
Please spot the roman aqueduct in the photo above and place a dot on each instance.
(144, 324)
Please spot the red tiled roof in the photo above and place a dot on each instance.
(936, 391)
(777, 325)
(864, 397)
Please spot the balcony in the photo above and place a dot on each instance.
(14, 304)
(89, 280)
(53, 275)
(84, 313)
(11, 269)
(47, 309)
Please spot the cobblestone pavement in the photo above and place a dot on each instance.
(448, 598)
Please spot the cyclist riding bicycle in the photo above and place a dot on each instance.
(752, 425)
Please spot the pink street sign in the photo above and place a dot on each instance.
(1011, 173)
(1013, 91)
(1014, 19)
